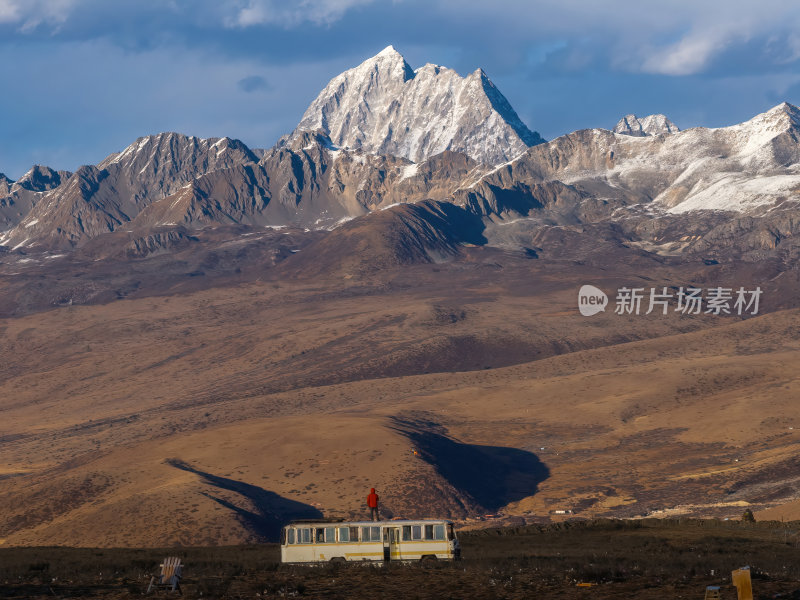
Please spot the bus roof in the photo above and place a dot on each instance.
(340, 523)
(316, 521)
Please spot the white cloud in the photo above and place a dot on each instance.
(29, 14)
(692, 54)
(713, 27)
(290, 14)
(669, 37)
(9, 11)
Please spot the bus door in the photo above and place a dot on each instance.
(391, 543)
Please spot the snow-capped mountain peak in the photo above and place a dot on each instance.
(645, 126)
(388, 51)
(383, 106)
(791, 110)
(778, 118)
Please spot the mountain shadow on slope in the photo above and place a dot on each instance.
(492, 476)
(425, 232)
(270, 511)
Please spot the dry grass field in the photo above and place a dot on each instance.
(183, 416)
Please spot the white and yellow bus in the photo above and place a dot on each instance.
(340, 541)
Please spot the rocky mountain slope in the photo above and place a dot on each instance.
(307, 183)
(98, 199)
(383, 106)
(17, 198)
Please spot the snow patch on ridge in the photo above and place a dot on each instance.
(409, 171)
(740, 193)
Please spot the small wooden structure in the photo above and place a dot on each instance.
(170, 576)
(712, 592)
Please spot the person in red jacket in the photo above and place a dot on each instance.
(372, 503)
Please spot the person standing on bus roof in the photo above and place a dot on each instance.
(372, 503)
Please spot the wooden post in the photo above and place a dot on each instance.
(744, 587)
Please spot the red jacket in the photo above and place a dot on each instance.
(372, 499)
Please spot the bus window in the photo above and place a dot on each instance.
(304, 536)
(291, 536)
(450, 533)
(438, 532)
(416, 532)
(370, 534)
(406, 533)
(354, 534)
(344, 534)
(428, 532)
(283, 536)
(330, 535)
(320, 536)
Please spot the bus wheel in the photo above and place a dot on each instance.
(338, 560)
(428, 559)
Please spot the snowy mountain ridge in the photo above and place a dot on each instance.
(382, 134)
(382, 106)
(743, 168)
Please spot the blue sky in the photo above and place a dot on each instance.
(84, 78)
